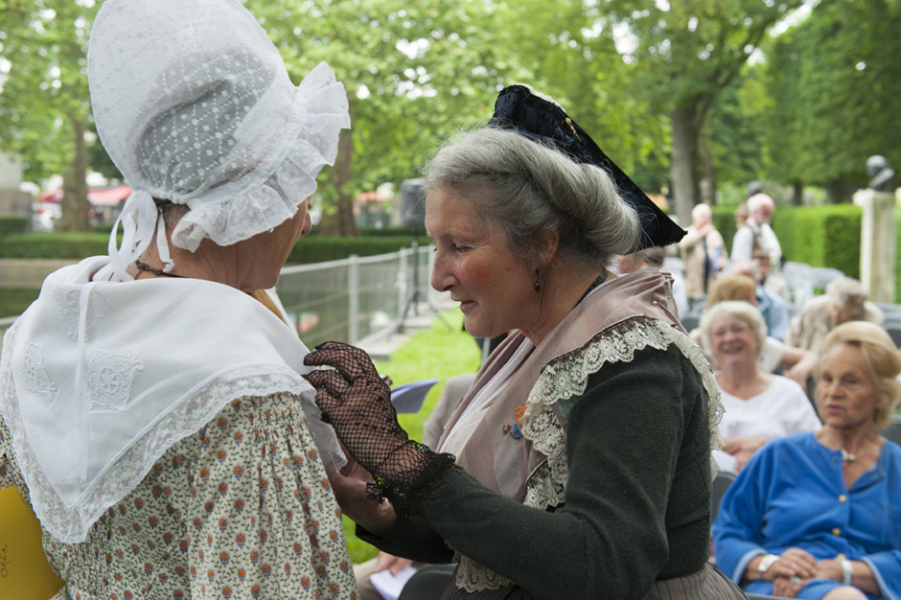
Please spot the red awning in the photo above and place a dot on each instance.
(99, 197)
(51, 196)
(109, 196)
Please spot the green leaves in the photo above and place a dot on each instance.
(836, 83)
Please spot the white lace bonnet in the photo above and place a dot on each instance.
(194, 105)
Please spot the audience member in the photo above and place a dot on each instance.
(771, 282)
(797, 364)
(652, 258)
(816, 515)
(703, 252)
(771, 306)
(757, 232)
(741, 215)
(845, 300)
(759, 406)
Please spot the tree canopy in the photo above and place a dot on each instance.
(835, 81)
(664, 88)
(688, 53)
(44, 104)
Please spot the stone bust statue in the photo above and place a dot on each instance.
(880, 174)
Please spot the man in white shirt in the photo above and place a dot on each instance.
(757, 233)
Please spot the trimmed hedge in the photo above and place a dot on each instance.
(825, 236)
(13, 224)
(72, 245)
(310, 249)
(724, 219)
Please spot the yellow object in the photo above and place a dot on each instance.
(24, 571)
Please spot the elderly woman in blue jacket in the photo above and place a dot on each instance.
(818, 515)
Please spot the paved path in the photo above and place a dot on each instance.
(381, 346)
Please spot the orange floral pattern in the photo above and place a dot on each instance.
(242, 510)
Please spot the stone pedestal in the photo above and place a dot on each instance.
(877, 244)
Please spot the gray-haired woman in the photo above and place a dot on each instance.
(760, 406)
(578, 465)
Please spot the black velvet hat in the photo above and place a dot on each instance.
(539, 118)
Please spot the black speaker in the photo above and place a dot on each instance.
(412, 206)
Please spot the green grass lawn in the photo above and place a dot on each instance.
(430, 353)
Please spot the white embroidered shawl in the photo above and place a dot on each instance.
(98, 380)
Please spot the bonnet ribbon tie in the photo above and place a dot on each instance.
(140, 219)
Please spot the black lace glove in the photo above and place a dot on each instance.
(355, 400)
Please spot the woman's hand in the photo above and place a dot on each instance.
(794, 562)
(349, 487)
(798, 364)
(829, 568)
(742, 448)
(787, 587)
(357, 403)
(742, 458)
(355, 502)
(744, 443)
(395, 564)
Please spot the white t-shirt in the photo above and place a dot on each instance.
(782, 409)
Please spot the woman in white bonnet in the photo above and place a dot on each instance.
(154, 415)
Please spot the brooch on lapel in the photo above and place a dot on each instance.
(516, 428)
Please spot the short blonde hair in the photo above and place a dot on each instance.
(731, 287)
(739, 310)
(882, 359)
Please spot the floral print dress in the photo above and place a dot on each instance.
(242, 510)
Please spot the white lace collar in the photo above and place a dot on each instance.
(98, 380)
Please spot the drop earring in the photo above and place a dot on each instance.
(537, 280)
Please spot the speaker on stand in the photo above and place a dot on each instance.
(413, 214)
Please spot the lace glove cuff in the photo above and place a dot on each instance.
(408, 477)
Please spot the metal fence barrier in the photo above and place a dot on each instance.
(348, 300)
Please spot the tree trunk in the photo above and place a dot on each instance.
(836, 192)
(686, 125)
(798, 193)
(708, 183)
(341, 221)
(75, 204)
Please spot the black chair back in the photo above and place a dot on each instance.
(690, 322)
(722, 482)
(893, 431)
(428, 583)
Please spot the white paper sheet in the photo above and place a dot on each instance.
(388, 585)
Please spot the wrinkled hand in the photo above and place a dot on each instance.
(357, 502)
(356, 401)
(786, 587)
(794, 562)
(829, 568)
(394, 564)
(741, 459)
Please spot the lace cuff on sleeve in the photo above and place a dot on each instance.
(408, 477)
